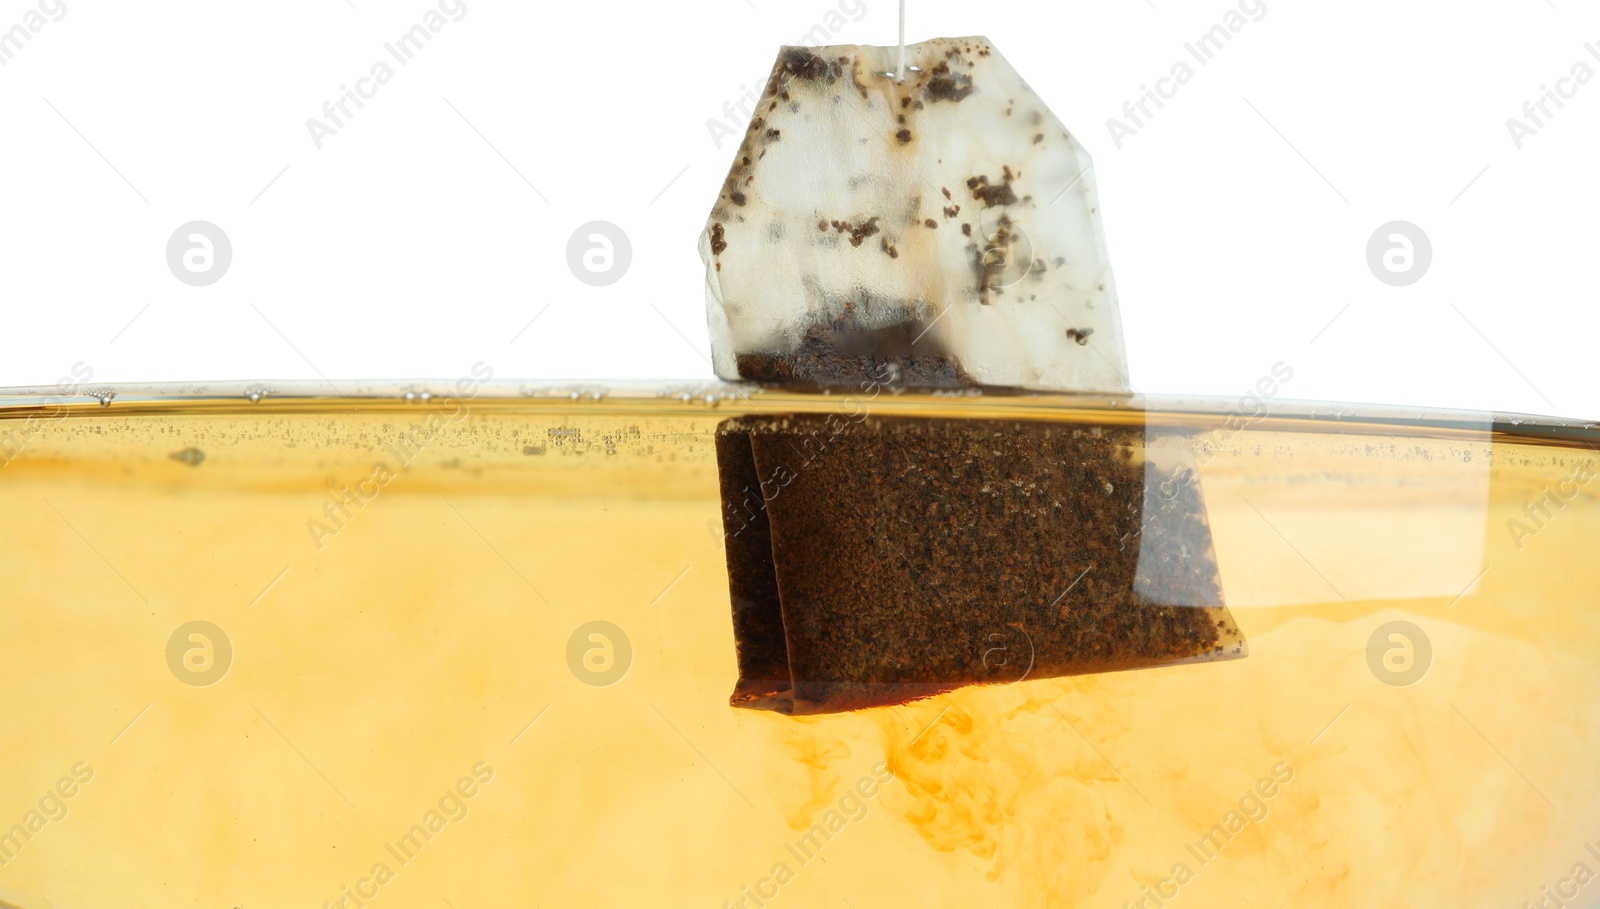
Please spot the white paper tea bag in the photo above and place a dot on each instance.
(937, 231)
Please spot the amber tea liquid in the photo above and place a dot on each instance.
(311, 652)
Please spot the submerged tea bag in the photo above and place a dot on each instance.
(879, 560)
(937, 231)
(943, 230)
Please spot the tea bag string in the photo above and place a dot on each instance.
(900, 72)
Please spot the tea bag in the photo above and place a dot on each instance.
(943, 229)
(877, 561)
(937, 231)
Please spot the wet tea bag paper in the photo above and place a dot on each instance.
(940, 230)
(878, 561)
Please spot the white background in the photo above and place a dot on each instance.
(429, 231)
